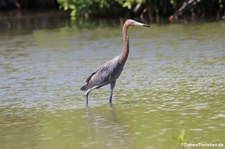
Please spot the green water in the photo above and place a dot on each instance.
(172, 89)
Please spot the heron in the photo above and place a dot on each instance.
(110, 71)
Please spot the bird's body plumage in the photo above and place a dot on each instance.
(104, 74)
(111, 70)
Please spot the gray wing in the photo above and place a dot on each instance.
(105, 74)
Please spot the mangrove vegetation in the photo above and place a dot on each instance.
(150, 9)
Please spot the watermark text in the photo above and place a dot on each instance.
(202, 144)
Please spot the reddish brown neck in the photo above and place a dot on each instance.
(125, 50)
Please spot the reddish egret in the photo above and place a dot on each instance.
(111, 70)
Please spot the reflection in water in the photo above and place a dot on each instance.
(25, 22)
(106, 131)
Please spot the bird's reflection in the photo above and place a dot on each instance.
(106, 130)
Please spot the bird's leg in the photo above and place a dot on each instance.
(87, 98)
(112, 85)
(87, 93)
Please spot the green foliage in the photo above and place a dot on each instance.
(181, 138)
(129, 3)
(154, 7)
(84, 6)
(88, 6)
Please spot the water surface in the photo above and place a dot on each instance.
(173, 83)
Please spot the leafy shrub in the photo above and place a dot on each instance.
(79, 7)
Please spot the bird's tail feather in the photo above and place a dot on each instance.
(83, 87)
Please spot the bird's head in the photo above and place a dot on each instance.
(135, 23)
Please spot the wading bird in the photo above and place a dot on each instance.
(111, 70)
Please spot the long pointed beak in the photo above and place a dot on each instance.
(141, 24)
